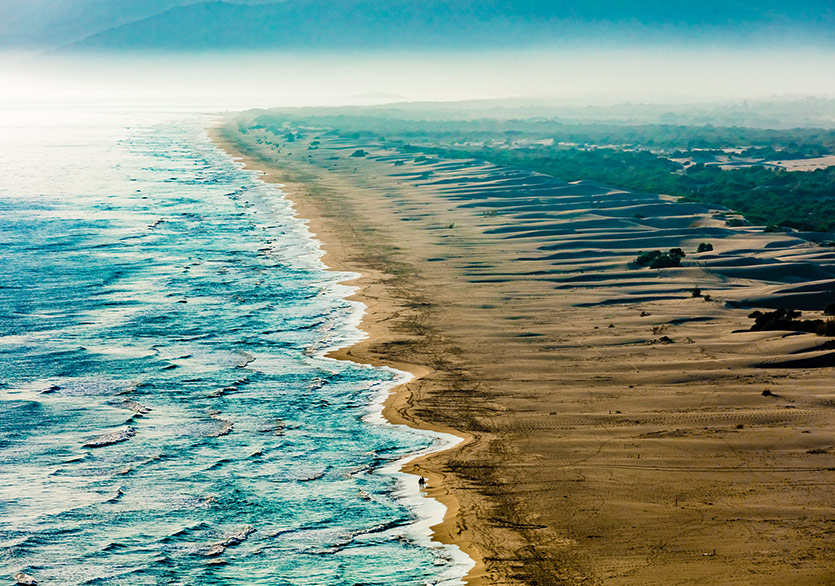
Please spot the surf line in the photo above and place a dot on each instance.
(426, 510)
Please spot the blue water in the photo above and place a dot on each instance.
(166, 412)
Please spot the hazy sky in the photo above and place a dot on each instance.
(601, 72)
(275, 79)
(53, 23)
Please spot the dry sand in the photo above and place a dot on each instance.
(806, 164)
(617, 431)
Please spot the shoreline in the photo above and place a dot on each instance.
(618, 427)
(391, 401)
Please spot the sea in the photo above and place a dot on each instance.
(167, 411)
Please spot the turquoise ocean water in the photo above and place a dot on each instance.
(166, 412)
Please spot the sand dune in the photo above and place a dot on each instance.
(618, 427)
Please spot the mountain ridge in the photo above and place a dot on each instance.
(445, 24)
(34, 24)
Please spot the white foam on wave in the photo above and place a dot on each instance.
(427, 511)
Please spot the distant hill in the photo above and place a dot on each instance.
(444, 24)
(54, 23)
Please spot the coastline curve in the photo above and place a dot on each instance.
(433, 505)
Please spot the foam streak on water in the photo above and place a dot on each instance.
(166, 412)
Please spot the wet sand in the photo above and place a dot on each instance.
(618, 429)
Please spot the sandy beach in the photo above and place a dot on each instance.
(618, 429)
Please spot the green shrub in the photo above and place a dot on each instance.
(655, 259)
(788, 320)
(645, 258)
(665, 261)
(826, 328)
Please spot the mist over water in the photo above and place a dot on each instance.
(230, 80)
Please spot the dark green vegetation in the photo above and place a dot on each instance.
(802, 200)
(799, 199)
(645, 158)
(423, 125)
(655, 259)
(788, 320)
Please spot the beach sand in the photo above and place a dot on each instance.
(618, 429)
